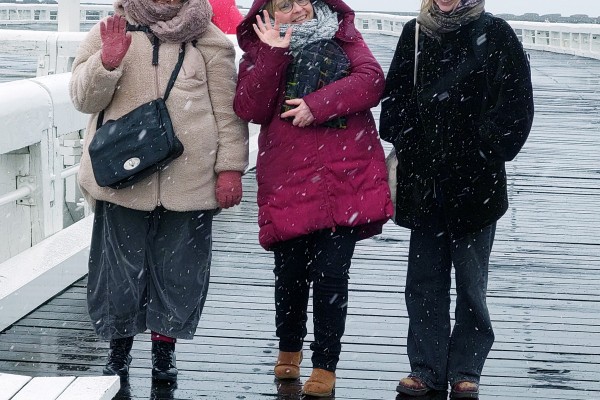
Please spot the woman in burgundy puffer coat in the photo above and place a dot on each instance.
(322, 179)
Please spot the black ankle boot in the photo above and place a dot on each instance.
(119, 357)
(163, 361)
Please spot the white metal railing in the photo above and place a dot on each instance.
(576, 39)
(54, 51)
(19, 194)
(381, 23)
(40, 138)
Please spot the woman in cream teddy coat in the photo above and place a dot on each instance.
(151, 244)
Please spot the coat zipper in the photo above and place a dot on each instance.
(327, 190)
(156, 83)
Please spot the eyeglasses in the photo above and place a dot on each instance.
(287, 6)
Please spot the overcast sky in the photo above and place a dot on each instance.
(564, 7)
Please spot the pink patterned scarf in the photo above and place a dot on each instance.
(175, 23)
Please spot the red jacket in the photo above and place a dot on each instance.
(226, 15)
(316, 177)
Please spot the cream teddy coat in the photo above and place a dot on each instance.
(200, 105)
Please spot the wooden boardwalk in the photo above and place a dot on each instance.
(543, 290)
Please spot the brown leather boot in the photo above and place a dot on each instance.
(320, 384)
(465, 390)
(412, 386)
(288, 365)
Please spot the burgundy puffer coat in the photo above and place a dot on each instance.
(316, 177)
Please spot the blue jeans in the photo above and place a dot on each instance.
(323, 258)
(437, 354)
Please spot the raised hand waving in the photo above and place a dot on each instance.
(115, 41)
(269, 34)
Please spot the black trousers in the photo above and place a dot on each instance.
(323, 258)
(148, 270)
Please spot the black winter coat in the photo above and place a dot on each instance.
(470, 111)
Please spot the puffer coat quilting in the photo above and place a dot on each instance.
(316, 177)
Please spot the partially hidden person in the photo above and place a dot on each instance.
(226, 15)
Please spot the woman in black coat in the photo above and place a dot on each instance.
(455, 116)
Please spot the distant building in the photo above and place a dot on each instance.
(555, 18)
(29, 1)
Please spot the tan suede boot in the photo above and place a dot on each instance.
(320, 384)
(288, 365)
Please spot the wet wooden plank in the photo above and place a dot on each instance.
(245, 306)
(225, 336)
(358, 320)
(366, 360)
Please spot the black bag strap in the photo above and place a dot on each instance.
(155, 47)
(137, 28)
(152, 37)
(174, 74)
(175, 71)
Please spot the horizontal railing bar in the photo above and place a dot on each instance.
(28, 190)
(67, 172)
(18, 194)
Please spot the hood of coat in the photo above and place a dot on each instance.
(347, 32)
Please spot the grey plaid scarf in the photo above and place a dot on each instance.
(435, 22)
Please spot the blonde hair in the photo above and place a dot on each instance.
(427, 4)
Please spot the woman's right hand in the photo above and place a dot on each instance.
(269, 34)
(115, 41)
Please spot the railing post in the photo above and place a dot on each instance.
(47, 216)
(69, 16)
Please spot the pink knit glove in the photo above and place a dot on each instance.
(115, 41)
(229, 188)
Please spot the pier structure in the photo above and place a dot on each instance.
(544, 272)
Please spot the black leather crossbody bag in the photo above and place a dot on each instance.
(136, 145)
